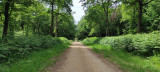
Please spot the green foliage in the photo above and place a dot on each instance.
(146, 44)
(152, 16)
(66, 27)
(141, 44)
(37, 60)
(123, 18)
(121, 42)
(93, 23)
(127, 61)
(33, 17)
(83, 29)
(20, 46)
(92, 40)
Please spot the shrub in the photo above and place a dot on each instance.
(21, 45)
(146, 44)
(142, 44)
(92, 40)
(121, 42)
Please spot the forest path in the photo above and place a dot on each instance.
(79, 58)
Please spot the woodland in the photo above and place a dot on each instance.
(125, 31)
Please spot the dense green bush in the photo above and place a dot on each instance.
(142, 44)
(146, 44)
(92, 40)
(21, 45)
(121, 42)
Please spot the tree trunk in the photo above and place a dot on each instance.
(108, 34)
(107, 22)
(38, 28)
(140, 17)
(5, 28)
(51, 29)
(22, 25)
(27, 30)
(1, 16)
(56, 26)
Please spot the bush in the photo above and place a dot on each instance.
(92, 40)
(146, 44)
(121, 42)
(21, 45)
(142, 44)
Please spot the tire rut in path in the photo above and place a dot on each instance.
(80, 58)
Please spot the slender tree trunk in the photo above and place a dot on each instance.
(37, 25)
(119, 31)
(140, 17)
(34, 29)
(1, 16)
(106, 19)
(107, 22)
(56, 26)
(27, 31)
(22, 25)
(5, 28)
(108, 34)
(38, 28)
(51, 29)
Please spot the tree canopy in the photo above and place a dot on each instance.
(32, 17)
(124, 17)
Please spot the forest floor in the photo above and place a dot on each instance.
(80, 58)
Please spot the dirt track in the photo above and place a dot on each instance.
(80, 58)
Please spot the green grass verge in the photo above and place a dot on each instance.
(36, 60)
(127, 61)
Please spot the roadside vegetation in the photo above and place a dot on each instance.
(124, 31)
(118, 17)
(31, 54)
(133, 53)
(33, 33)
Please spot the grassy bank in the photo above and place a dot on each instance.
(30, 53)
(36, 60)
(133, 53)
(17, 47)
(139, 44)
(127, 61)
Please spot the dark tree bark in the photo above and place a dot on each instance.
(51, 29)
(140, 16)
(22, 25)
(27, 30)
(141, 4)
(1, 16)
(6, 14)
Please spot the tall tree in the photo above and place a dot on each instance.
(56, 24)
(106, 8)
(52, 4)
(64, 5)
(6, 14)
(52, 20)
(141, 3)
(8, 8)
(105, 4)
